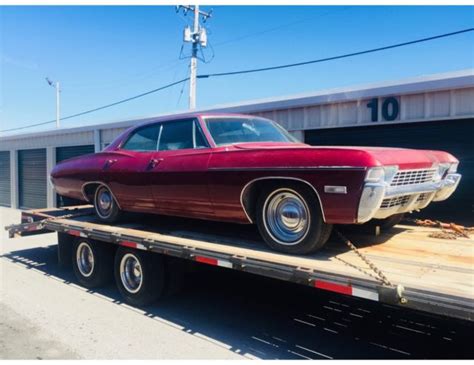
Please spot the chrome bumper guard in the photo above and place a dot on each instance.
(380, 200)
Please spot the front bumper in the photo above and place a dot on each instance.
(380, 200)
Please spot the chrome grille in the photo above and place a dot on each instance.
(412, 177)
(393, 202)
(422, 197)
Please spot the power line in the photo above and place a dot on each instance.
(336, 57)
(102, 107)
(278, 27)
(251, 71)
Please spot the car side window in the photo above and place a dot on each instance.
(143, 139)
(181, 134)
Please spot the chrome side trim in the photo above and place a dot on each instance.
(277, 178)
(286, 168)
(99, 183)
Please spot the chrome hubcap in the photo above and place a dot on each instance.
(286, 217)
(85, 259)
(104, 201)
(131, 273)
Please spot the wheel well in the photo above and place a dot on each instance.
(252, 190)
(88, 191)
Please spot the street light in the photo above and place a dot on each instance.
(58, 90)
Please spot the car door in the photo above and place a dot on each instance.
(180, 179)
(128, 169)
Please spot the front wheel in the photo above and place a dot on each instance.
(289, 219)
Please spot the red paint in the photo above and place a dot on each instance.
(337, 288)
(207, 183)
(206, 260)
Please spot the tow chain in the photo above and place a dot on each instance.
(450, 231)
(380, 276)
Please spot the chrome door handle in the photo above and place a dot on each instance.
(154, 162)
(109, 163)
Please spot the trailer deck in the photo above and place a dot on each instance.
(428, 274)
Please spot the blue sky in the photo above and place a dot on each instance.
(104, 54)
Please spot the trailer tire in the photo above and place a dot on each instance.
(290, 220)
(139, 276)
(92, 262)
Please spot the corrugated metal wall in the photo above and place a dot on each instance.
(64, 153)
(455, 137)
(5, 176)
(413, 108)
(32, 178)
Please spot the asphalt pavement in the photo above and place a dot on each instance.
(218, 314)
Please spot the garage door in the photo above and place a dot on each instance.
(455, 137)
(5, 178)
(32, 178)
(64, 153)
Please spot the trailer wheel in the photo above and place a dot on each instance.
(289, 219)
(139, 276)
(92, 263)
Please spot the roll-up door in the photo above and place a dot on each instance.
(64, 153)
(32, 178)
(5, 177)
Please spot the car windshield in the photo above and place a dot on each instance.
(228, 130)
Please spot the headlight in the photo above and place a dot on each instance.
(378, 174)
(375, 174)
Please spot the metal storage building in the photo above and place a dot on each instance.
(432, 112)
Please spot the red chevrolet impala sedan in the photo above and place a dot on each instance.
(246, 169)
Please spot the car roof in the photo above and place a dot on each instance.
(193, 115)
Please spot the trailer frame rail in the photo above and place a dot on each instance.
(370, 289)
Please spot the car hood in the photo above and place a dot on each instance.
(405, 158)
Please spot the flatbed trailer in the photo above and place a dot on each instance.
(405, 267)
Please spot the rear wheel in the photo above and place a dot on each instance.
(139, 276)
(289, 219)
(105, 205)
(92, 263)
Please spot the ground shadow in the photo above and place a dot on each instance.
(271, 319)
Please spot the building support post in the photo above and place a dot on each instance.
(51, 198)
(97, 141)
(14, 187)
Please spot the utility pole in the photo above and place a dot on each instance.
(57, 86)
(198, 37)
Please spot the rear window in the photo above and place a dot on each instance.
(143, 139)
